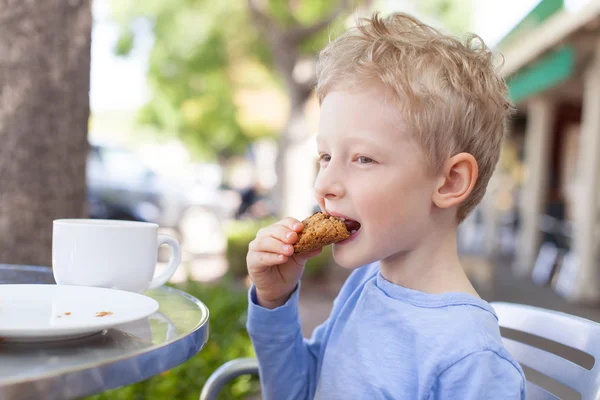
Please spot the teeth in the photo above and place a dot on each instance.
(343, 219)
(353, 231)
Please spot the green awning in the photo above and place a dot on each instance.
(547, 72)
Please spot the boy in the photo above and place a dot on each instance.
(410, 132)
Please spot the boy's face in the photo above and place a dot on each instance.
(372, 172)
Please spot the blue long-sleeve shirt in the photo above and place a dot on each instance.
(384, 341)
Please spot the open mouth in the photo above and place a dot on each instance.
(351, 225)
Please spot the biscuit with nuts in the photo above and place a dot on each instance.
(320, 230)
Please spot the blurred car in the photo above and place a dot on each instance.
(121, 186)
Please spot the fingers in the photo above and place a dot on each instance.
(274, 244)
(271, 259)
(271, 245)
(265, 259)
(284, 231)
(291, 223)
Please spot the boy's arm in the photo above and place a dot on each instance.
(287, 362)
(481, 375)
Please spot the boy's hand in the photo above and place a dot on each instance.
(272, 264)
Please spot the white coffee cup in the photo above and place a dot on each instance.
(109, 253)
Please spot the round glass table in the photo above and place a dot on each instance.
(115, 357)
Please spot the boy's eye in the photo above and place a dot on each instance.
(364, 160)
(324, 157)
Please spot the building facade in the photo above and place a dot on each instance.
(552, 66)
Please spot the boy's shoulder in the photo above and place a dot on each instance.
(469, 352)
(466, 330)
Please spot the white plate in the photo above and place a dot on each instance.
(56, 312)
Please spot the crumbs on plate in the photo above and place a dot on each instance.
(66, 313)
(103, 313)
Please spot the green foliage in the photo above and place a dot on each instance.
(125, 43)
(304, 13)
(316, 267)
(202, 50)
(191, 85)
(455, 15)
(241, 233)
(228, 340)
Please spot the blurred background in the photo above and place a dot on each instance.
(200, 116)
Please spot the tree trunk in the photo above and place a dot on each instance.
(44, 110)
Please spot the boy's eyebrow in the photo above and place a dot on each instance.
(364, 138)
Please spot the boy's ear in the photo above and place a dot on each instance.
(457, 180)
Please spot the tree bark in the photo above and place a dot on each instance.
(44, 111)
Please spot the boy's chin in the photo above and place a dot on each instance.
(348, 261)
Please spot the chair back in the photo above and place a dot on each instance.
(559, 346)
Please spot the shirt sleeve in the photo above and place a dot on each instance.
(481, 375)
(287, 362)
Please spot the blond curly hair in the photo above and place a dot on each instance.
(448, 91)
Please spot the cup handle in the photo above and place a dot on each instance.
(173, 262)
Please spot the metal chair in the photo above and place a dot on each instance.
(565, 329)
(225, 374)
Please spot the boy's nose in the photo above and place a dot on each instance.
(329, 185)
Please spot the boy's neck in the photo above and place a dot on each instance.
(432, 267)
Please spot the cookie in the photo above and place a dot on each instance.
(319, 231)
